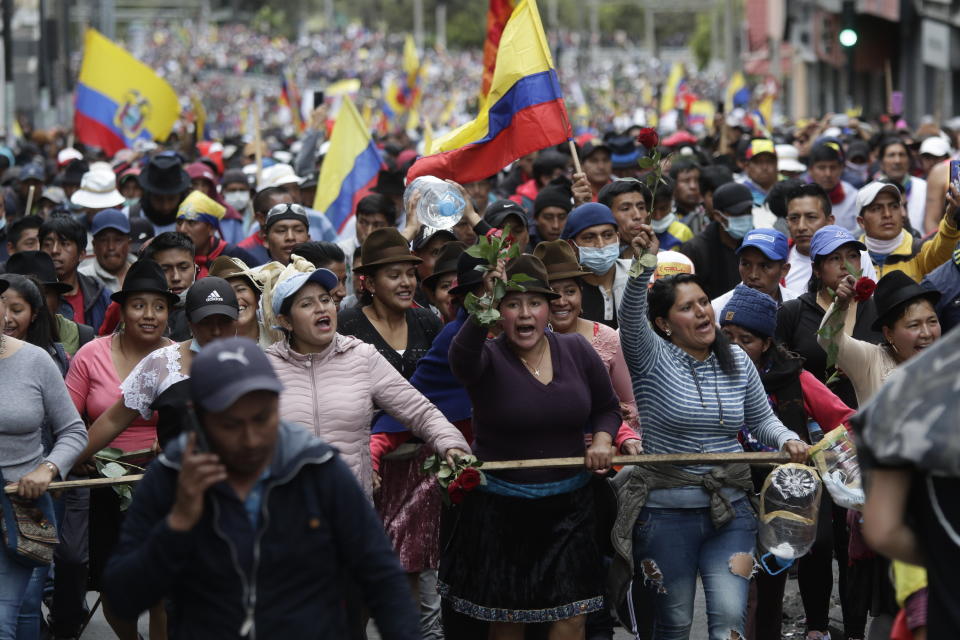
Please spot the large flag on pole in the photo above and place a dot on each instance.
(524, 111)
(498, 13)
(349, 168)
(119, 99)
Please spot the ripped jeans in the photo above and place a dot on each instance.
(672, 546)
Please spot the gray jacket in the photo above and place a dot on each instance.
(632, 486)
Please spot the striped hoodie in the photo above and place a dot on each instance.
(680, 399)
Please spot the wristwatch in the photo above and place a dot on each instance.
(52, 467)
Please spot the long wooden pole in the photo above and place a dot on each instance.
(663, 458)
(93, 483)
(576, 158)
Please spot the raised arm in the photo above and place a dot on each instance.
(641, 346)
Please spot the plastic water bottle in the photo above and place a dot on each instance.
(441, 205)
(815, 431)
(789, 507)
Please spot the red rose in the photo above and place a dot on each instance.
(494, 233)
(456, 492)
(864, 289)
(469, 479)
(648, 138)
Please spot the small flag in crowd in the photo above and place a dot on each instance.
(349, 169)
(119, 99)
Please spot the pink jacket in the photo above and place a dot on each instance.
(333, 393)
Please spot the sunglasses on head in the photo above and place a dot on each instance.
(285, 207)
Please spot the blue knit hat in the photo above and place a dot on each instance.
(587, 215)
(752, 310)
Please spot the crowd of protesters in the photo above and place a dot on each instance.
(183, 310)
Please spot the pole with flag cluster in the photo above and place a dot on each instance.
(523, 112)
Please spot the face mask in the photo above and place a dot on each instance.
(859, 168)
(661, 225)
(739, 226)
(599, 261)
(129, 202)
(237, 199)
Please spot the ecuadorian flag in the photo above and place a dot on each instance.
(524, 110)
(119, 99)
(349, 169)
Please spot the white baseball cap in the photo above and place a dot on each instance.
(277, 175)
(868, 193)
(788, 159)
(935, 146)
(98, 190)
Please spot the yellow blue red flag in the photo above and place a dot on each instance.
(498, 13)
(524, 110)
(119, 99)
(349, 169)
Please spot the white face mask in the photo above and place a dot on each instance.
(237, 199)
(661, 225)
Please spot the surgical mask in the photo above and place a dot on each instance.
(859, 168)
(237, 199)
(601, 260)
(739, 226)
(661, 225)
(129, 202)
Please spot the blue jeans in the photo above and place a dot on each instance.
(672, 546)
(14, 582)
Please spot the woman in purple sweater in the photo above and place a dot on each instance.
(523, 549)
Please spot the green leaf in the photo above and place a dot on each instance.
(499, 289)
(445, 472)
(646, 163)
(513, 252)
(648, 260)
(852, 270)
(113, 470)
(109, 453)
(475, 251)
(520, 277)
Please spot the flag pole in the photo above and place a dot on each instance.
(92, 483)
(663, 458)
(257, 141)
(573, 154)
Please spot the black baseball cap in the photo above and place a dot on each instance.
(732, 198)
(210, 296)
(498, 212)
(225, 370)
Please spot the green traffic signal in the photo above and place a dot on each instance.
(848, 38)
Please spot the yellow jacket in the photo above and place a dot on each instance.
(931, 254)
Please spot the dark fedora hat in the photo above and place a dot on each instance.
(144, 276)
(164, 175)
(559, 259)
(894, 289)
(469, 276)
(38, 264)
(384, 246)
(531, 266)
(446, 263)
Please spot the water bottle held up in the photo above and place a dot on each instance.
(441, 205)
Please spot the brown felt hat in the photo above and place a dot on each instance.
(559, 260)
(446, 262)
(532, 267)
(228, 268)
(384, 246)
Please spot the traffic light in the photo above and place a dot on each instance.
(848, 30)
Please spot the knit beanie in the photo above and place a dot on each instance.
(553, 197)
(752, 310)
(586, 215)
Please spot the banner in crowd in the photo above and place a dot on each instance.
(349, 169)
(524, 111)
(119, 99)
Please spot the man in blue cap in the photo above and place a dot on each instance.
(250, 524)
(763, 266)
(592, 231)
(111, 249)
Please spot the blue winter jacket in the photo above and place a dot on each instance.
(283, 578)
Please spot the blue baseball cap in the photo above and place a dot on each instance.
(32, 171)
(224, 370)
(324, 277)
(770, 242)
(829, 238)
(110, 219)
(587, 215)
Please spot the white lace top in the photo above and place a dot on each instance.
(152, 376)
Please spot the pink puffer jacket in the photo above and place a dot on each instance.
(333, 393)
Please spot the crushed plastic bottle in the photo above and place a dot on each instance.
(789, 506)
(835, 457)
(441, 204)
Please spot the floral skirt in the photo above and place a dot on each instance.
(409, 505)
(523, 560)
